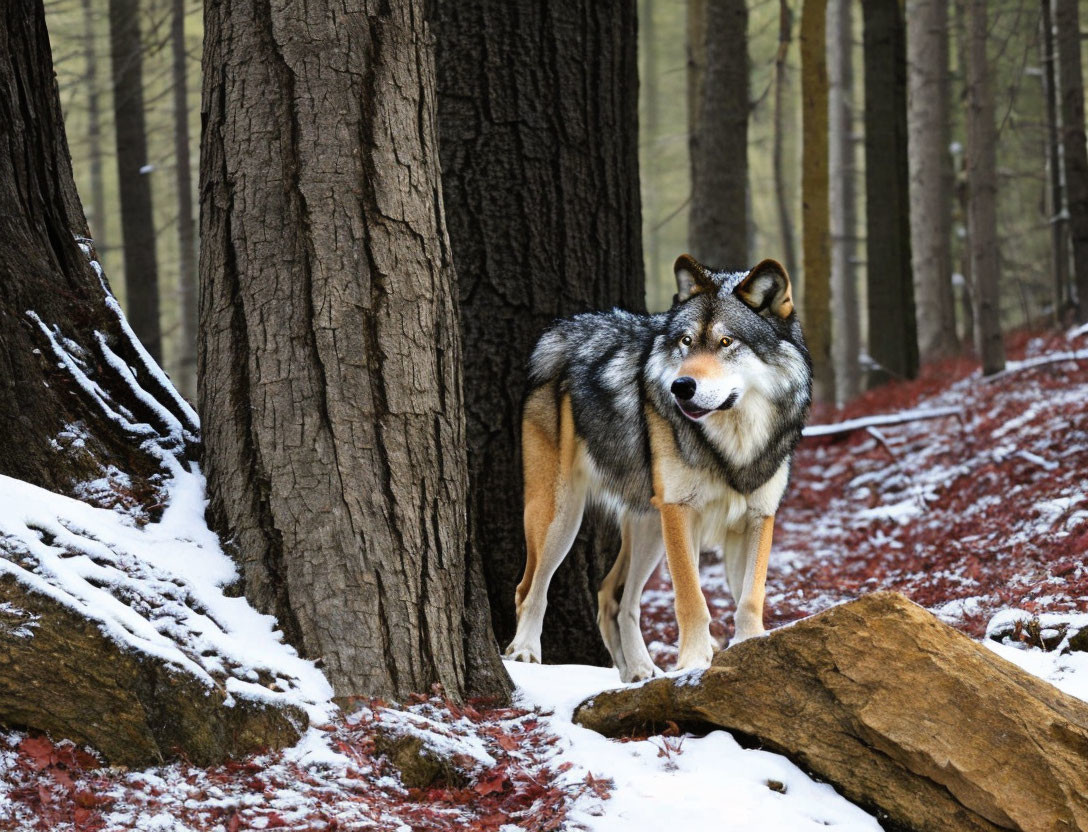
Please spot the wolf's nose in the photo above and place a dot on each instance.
(683, 388)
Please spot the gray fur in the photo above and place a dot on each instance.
(607, 362)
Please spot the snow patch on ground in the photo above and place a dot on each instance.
(696, 783)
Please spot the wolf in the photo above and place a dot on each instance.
(682, 425)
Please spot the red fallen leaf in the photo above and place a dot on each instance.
(506, 742)
(62, 778)
(44, 795)
(235, 822)
(39, 750)
(83, 817)
(491, 784)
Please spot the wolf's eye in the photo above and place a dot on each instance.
(686, 340)
(726, 341)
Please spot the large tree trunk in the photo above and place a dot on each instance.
(982, 195)
(539, 131)
(187, 277)
(815, 220)
(778, 146)
(1059, 244)
(718, 138)
(1067, 28)
(893, 342)
(94, 129)
(137, 219)
(330, 352)
(931, 179)
(842, 171)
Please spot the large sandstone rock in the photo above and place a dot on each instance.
(902, 714)
(60, 674)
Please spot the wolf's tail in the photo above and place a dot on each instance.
(550, 357)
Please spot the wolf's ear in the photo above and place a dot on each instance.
(692, 277)
(767, 289)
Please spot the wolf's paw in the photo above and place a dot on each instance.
(641, 673)
(744, 635)
(523, 653)
(696, 655)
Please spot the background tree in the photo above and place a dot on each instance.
(893, 342)
(1075, 155)
(137, 219)
(816, 233)
(187, 247)
(718, 132)
(538, 119)
(330, 350)
(842, 169)
(982, 194)
(781, 188)
(94, 129)
(1059, 241)
(931, 178)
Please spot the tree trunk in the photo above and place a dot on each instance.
(778, 151)
(94, 129)
(649, 127)
(137, 219)
(1059, 240)
(842, 170)
(982, 195)
(539, 132)
(187, 278)
(718, 140)
(893, 341)
(45, 273)
(931, 179)
(1067, 28)
(815, 220)
(330, 354)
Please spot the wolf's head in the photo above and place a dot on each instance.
(729, 333)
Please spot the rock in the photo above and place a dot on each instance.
(60, 674)
(419, 766)
(904, 715)
(1079, 641)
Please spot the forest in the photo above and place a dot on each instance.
(572, 415)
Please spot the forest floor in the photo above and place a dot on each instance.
(974, 516)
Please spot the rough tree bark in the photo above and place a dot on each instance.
(187, 277)
(71, 413)
(815, 219)
(137, 219)
(893, 341)
(539, 133)
(931, 178)
(778, 148)
(842, 171)
(1059, 241)
(330, 351)
(94, 129)
(718, 138)
(982, 195)
(1075, 155)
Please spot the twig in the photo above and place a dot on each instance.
(882, 419)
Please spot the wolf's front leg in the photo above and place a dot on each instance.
(757, 551)
(692, 615)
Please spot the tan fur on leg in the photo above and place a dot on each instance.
(692, 614)
(749, 617)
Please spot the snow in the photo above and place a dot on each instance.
(706, 782)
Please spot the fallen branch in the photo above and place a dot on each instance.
(1031, 363)
(883, 419)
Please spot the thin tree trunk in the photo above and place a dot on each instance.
(781, 189)
(137, 220)
(186, 228)
(718, 142)
(330, 351)
(931, 180)
(94, 129)
(649, 126)
(982, 194)
(842, 170)
(539, 133)
(1075, 155)
(893, 341)
(1059, 240)
(815, 219)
